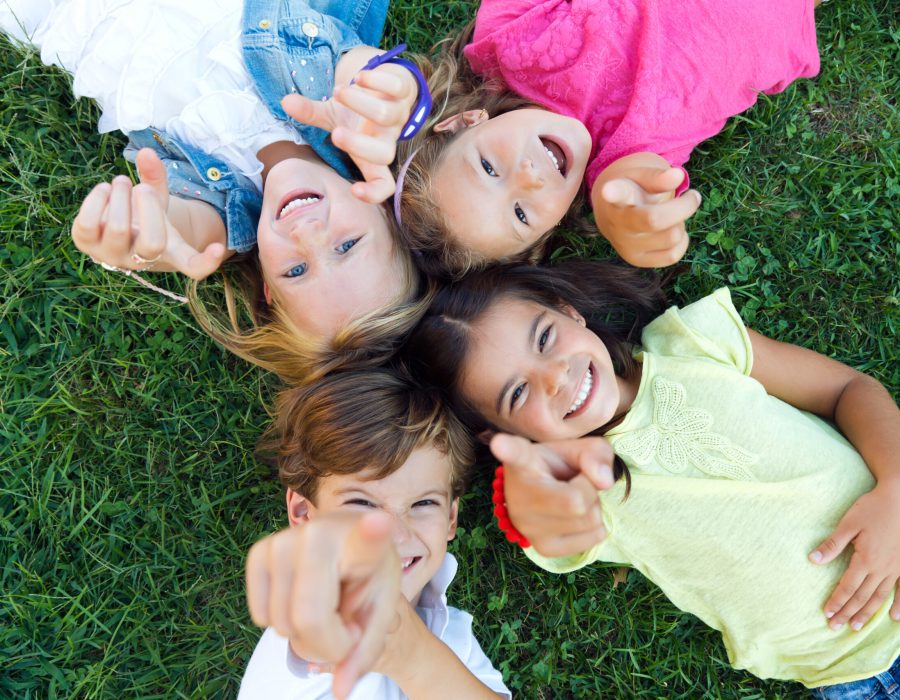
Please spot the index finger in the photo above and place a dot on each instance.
(86, 226)
(307, 111)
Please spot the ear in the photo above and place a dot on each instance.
(299, 507)
(267, 293)
(462, 120)
(572, 313)
(454, 511)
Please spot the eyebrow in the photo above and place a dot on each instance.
(532, 332)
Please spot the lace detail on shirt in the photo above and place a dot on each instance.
(680, 436)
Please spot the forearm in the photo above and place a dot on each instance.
(870, 419)
(434, 672)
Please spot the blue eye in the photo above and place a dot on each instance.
(296, 270)
(520, 214)
(488, 168)
(425, 502)
(347, 245)
(360, 502)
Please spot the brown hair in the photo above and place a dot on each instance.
(455, 88)
(616, 300)
(265, 335)
(353, 421)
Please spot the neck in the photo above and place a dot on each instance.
(276, 152)
(628, 389)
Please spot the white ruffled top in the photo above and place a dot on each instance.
(174, 65)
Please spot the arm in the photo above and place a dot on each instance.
(637, 212)
(117, 221)
(423, 666)
(867, 415)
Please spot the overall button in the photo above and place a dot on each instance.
(264, 24)
(310, 29)
(214, 174)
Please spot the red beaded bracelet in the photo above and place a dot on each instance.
(503, 521)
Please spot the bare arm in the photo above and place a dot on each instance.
(423, 666)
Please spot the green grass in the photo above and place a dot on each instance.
(128, 492)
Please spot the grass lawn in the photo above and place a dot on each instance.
(128, 492)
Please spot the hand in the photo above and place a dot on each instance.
(117, 221)
(551, 490)
(331, 586)
(365, 120)
(641, 217)
(872, 526)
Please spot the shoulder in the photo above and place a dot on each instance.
(710, 328)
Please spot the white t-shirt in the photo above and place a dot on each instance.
(174, 65)
(276, 673)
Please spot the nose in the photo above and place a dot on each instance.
(400, 531)
(554, 376)
(308, 228)
(527, 175)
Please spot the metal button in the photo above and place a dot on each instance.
(264, 24)
(310, 29)
(214, 174)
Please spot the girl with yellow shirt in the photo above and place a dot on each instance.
(730, 487)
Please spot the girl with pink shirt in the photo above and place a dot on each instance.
(540, 97)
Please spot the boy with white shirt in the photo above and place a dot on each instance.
(373, 468)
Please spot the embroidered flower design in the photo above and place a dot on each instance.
(680, 437)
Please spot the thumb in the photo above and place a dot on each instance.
(622, 192)
(152, 172)
(194, 263)
(307, 111)
(828, 550)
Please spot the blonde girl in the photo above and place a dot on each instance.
(543, 100)
(735, 492)
(225, 170)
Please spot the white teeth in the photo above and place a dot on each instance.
(405, 563)
(583, 393)
(294, 203)
(553, 158)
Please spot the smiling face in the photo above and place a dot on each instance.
(327, 257)
(419, 498)
(538, 372)
(505, 182)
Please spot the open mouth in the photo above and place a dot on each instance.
(408, 562)
(556, 154)
(580, 402)
(296, 201)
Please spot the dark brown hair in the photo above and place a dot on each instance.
(616, 300)
(362, 420)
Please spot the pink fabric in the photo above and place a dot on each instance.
(645, 75)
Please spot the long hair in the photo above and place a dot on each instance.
(616, 300)
(265, 335)
(361, 420)
(455, 88)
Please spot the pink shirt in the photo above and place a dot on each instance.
(645, 75)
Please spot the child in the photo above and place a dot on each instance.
(197, 87)
(349, 447)
(730, 476)
(611, 96)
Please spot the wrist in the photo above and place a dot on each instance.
(501, 512)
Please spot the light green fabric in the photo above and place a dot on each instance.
(731, 489)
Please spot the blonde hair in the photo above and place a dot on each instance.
(265, 335)
(455, 88)
(361, 420)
